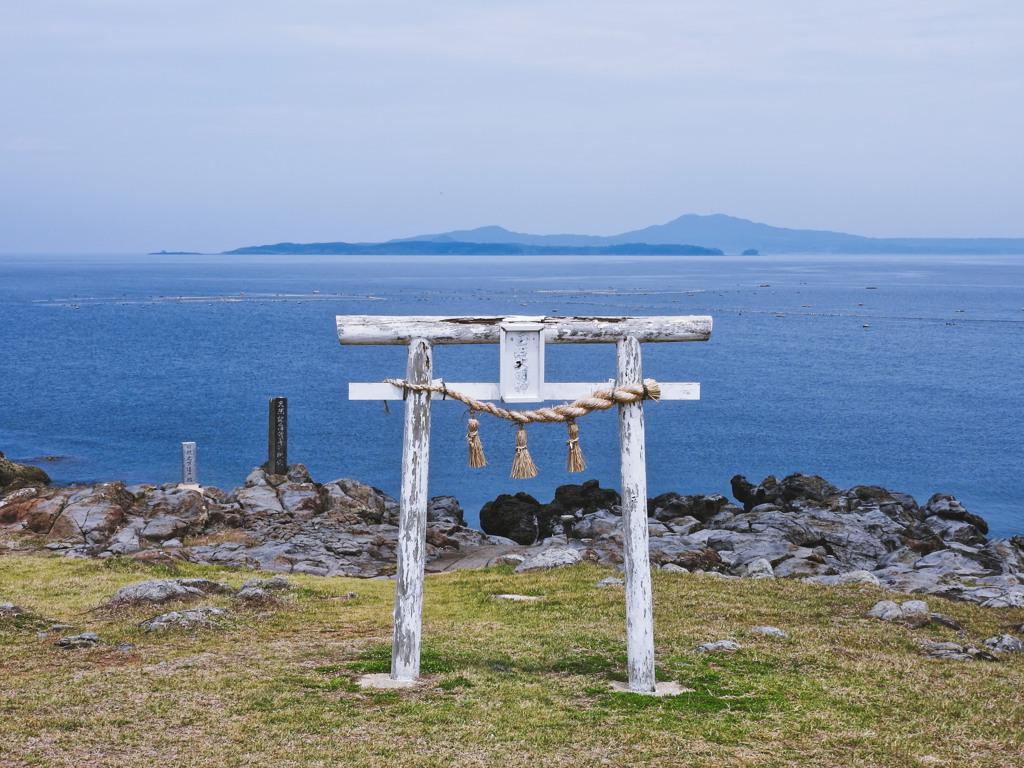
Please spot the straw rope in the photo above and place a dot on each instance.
(599, 400)
(523, 467)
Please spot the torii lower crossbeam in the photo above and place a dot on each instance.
(420, 334)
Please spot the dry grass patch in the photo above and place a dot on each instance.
(511, 683)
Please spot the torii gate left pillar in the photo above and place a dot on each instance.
(420, 334)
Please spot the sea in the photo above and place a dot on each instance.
(899, 371)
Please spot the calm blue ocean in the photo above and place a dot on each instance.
(896, 371)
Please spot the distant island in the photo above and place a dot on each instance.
(689, 235)
(175, 253)
(457, 248)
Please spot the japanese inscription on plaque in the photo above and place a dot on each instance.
(522, 362)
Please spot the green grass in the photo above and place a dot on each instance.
(504, 683)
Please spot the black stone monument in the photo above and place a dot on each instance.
(277, 447)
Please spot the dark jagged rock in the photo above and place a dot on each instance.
(445, 509)
(14, 476)
(805, 487)
(745, 492)
(669, 506)
(795, 487)
(513, 517)
(587, 498)
(574, 503)
(947, 507)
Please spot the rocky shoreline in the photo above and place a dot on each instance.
(800, 527)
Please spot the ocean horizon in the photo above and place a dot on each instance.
(899, 371)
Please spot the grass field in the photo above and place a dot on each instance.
(504, 683)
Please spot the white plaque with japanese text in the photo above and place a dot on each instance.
(522, 362)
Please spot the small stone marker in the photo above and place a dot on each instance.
(188, 464)
(518, 598)
(277, 444)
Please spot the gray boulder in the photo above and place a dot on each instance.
(596, 525)
(164, 527)
(260, 501)
(207, 617)
(127, 540)
(1009, 556)
(719, 646)
(84, 640)
(297, 473)
(257, 477)
(445, 509)
(886, 610)
(769, 632)
(799, 568)
(913, 613)
(956, 652)
(273, 584)
(945, 506)
(861, 577)
(1005, 644)
(951, 561)
(552, 557)
(954, 530)
(93, 514)
(155, 591)
(179, 503)
(1006, 599)
(300, 500)
(759, 569)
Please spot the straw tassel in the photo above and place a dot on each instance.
(576, 461)
(476, 449)
(523, 467)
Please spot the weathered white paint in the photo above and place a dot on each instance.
(412, 520)
(401, 329)
(639, 601)
(521, 362)
(553, 390)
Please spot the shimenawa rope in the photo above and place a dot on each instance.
(523, 467)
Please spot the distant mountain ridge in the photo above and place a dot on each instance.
(690, 234)
(735, 235)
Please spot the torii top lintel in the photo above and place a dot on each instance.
(441, 329)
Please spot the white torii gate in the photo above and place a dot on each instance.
(522, 342)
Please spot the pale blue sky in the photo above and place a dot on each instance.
(210, 124)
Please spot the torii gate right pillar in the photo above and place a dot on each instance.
(639, 601)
